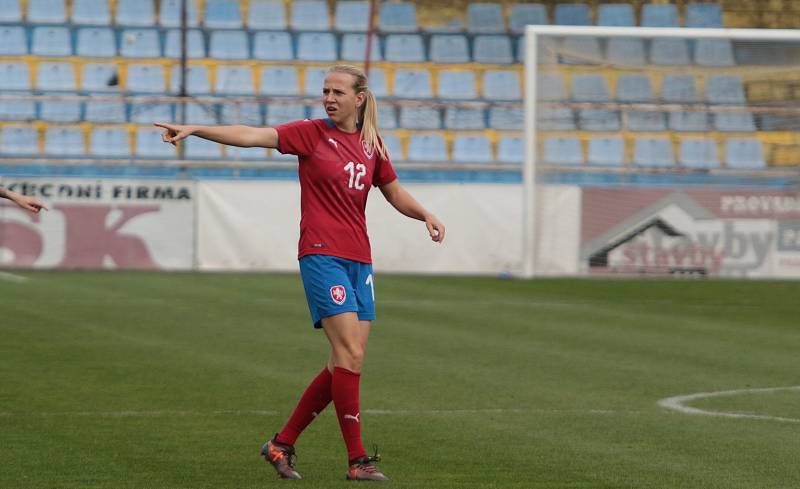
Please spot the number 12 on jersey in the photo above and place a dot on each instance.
(356, 172)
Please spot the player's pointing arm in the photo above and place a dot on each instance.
(28, 203)
(242, 136)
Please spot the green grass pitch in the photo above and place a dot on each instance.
(148, 380)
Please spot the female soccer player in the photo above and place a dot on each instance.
(28, 203)
(340, 158)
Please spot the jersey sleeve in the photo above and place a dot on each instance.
(384, 173)
(298, 137)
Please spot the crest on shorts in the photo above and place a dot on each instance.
(368, 150)
(338, 294)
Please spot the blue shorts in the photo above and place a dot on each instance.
(335, 285)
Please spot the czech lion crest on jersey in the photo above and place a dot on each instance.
(338, 294)
(368, 151)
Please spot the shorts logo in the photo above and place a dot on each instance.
(338, 294)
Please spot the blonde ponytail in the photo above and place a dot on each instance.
(367, 113)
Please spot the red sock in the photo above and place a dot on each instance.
(345, 398)
(313, 401)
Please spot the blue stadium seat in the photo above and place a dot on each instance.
(150, 145)
(472, 149)
(97, 77)
(550, 87)
(110, 142)
(314, 80)
(279, 80)
(598, 120)
(688, 120)
(14, 76)
(485, 18)
(704, 15)
(146, 78)
(247, 154)
(229, 45)
(136, 13)
(234, 80)
(203, 149)
(660, 15)
(678, 89)
(140, 43)
(464, 119)
(725, 89)
(96, 42)
(51, 41)
(19, 140)
(581, 50)
(283, 113)
(59, 110)
(10, 11)
(523, 14)
(394, 145)
(427, 148)
(653, 152)
(17, 110)
(555, 119)
(492, 49)
(170, 13)
(196, 44)
(267, 14)
(590, 88)
(354, 48)
(745, 153)
(501, 85)
(13, 41)
(713, 52)
(734, 122)
(449, 48)
(634, 88)
(223, 14)
(310, 15)
(560, 150)
(669, 51)
(64, 141)
(404, 48)
(105, 111)
(197, 79)
(248, 113)
(352, 16)
(147, 112)
(420, 118)
(387, 117)
(506, 118)
(646, 121)
(273, 46)
(56, 77)
(511, 149)
(412, 84)
(606, 151)
(90, 12)
(397, 17)
(698, 153)
(47, 11)
(377, 82)
(457, 84)
(625, 51)
(317, 46)
(616, 15)
(573, 14)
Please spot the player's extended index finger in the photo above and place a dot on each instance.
(168, 127)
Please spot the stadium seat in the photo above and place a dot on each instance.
(646, 121)
(273, 46)
(394, 145)
(10, 11)
(197, 79)
(413, 84)
(19, 140)
(404, 48)
(96, 42)
(64, 141)
(725, 89)
(713, 52)
(745, 153)
(427, 148)
(146, 78)
(314, 79)
(464, 119)
(704, 15)
(581, 50)
(625, 51)
(699, 153)
(196, 44)
(688, 120)
(13, 41)
(420, 118)
(395, 17)
(607, 151)
(634, 88)
(198, 148)
(267, 14)
(457, 84)
(590, 88)
(248, 154)
(47, 11)
(17, 110)
(59, 110)
(523, 14)
(352, 16)
(147, 112)
(563, 151)
(492, 49)
(56, 77)
(222, 14)
(90, 12)
(234, 80)
(110, 142)
(506, 118)
(140, 43)
(310, 15)
(105, 111)
(170, 13)
(616, 15)
(150, 145)
(14, 76)
(377, 82)
(449, 48)
(734, 122)
(136, 13)
(51, 41)
(598, 120)
(354, 48)
(279, 80)
(485, 18)
(510, 149)
(387, 117)
(472, 149)
(678, 89)
(659, 15)
(550, 87)
(231, 44)
(573, 14)
(653, 152)
(501, 85)
(555, 119)
(99, 77)
(317, 46)
(669, 52)
(283, 113)
(248, 113)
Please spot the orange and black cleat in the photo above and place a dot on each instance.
(281, 457)
(362, 469)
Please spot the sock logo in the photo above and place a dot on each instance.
(354, 418)
(338, 294)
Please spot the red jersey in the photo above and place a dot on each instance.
(336, 174)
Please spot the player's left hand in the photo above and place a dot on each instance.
(29, 203)
(435, 228)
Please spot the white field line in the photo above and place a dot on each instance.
(12, 277)
(678, 403)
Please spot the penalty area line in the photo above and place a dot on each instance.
(12, 277)
(678, 403)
